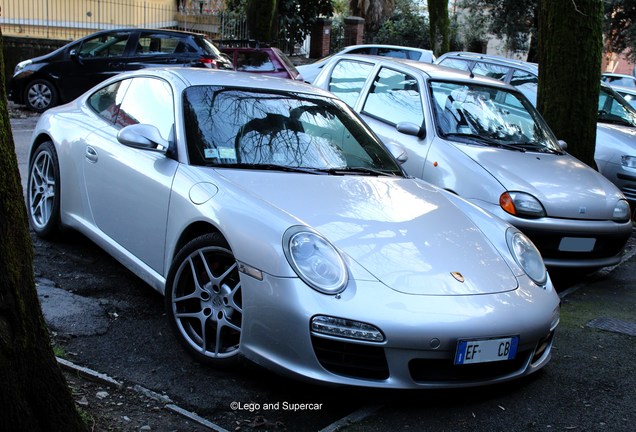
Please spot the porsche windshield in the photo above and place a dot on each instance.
(250, 129)
(489, 116)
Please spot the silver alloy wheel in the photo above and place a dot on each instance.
(39, 96)
(206, 302)
(42, 189)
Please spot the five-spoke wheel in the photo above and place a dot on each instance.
(203, 300)
(43, 190)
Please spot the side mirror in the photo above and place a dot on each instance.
(398, 151)
(408, 128)
(563, 145)
(143, 136)
(74, 54)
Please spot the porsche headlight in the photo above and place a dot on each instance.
(621, 212)
(526, 255)
(315, 260)
(521, 204)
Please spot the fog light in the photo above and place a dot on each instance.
(345, 328)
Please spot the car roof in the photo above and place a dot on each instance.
(490, 57)
(386, 46)
(433, 71)
(154, 30)
(612, 74)
(192, 76)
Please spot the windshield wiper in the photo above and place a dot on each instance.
(485, 140)
(532, 146)
(358, 170)
(268, 167)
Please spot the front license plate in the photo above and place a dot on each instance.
(577, 244)
(486, 350)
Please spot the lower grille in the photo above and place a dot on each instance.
(423, 370)
(351, 359)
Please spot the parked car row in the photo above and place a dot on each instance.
(383, 220)
(64, 74)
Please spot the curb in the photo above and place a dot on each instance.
(168, 404)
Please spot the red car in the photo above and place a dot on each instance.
(265, 60)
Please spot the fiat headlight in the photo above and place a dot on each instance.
(526, 255)
(521, 204)
(621, 212)
(315, 260)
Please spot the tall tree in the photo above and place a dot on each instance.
(620, 27)
(439, 26)
(570, 55)
(33, 394)
(514, 21)
(261, 19)
(374, 12)
(297, 17)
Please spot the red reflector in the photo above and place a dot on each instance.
(208, 62)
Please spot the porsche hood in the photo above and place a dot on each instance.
(404, 232)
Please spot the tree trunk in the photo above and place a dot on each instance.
(33, 393)
(570, 55)
(439, 26)
(261, 19)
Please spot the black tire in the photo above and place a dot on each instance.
(204, 301)
(43, 191)
(40, 95)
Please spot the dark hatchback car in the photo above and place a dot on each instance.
(262, 60)
(69, 71)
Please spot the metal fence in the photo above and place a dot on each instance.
(71, 19)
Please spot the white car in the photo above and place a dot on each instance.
(311, 70)
(483, 140)
(281, 230)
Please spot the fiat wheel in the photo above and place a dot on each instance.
(40, 95)
(43, 194)
(203, 300)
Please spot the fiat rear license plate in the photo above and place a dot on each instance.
(486, 350)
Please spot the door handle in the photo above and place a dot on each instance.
(91, 154)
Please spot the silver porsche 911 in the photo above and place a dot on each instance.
(281, 230)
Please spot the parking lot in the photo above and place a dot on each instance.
(119, 329)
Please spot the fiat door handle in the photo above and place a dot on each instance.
(91, 154)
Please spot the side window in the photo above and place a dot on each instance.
(254, 61)
(455, 63)
(348, 78)
(157, 44)
(395, 97)
(392, 52)
(111, 45)
(150, 101)
(527, 83)
(491, 70)
(106, 101)
(365, 50)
